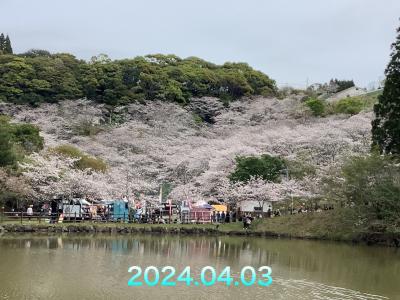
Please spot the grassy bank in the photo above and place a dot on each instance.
(336, 225)
(332, 225)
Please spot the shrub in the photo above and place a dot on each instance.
(197, 119)
(69, 151)
(317, 106)
(88, 162)
(266, 167)
(351, 106)
(83, 161)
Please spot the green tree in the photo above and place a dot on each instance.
(372, 184)
(260, 83)
(341, 84)
(16, 140)
(16, 78)
(233, 84)
(2, 40)
(7, 154)
(27, 135)
(36, 53)
(386, 126)
(102, 80)
(7, 49)
(39, 76)
(266, 167)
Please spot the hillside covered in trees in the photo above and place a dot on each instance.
(105, 129)
(38, 76)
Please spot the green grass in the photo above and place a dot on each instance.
(327, 224)
(336, 224)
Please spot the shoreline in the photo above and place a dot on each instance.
(367, 238)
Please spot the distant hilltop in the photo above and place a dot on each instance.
(38, 76)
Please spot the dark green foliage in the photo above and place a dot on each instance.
(7, 154)
(37, 79)
(27, 135)
(166, 190)
(341, 84)
(39, 76)
(317, 106)
(386, 126)
(5, 45)
(16, 140)
(351, 105)
(372, 183)
(35, 53)
(2, 40)
(266, 167)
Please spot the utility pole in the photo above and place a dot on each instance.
(291, 194)
(127, 184)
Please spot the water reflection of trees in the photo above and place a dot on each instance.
(327, 259)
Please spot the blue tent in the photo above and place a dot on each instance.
(118, 209)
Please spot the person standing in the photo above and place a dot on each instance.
(29, 212)
(245, 222)
(213, 217)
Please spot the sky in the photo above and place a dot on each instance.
(294, 42)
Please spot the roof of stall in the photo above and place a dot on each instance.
(220, 207)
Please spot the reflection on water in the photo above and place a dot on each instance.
(95, 267)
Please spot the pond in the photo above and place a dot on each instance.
(96, 267)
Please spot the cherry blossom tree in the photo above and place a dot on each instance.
(161, 142)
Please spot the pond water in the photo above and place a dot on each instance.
(96, 267)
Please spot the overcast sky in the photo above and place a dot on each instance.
(288, 40)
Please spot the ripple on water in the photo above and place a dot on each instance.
(302, 289)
